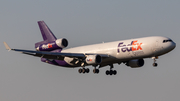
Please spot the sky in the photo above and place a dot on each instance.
(84, 22)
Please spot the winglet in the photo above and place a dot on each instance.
(7, 47)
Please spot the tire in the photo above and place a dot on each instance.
(155, 64)
(97, 71)
(87, 70)
(114, 72)
(107, 72)
(94, 71)
(111, 72)
(80, 70)
(83, 70)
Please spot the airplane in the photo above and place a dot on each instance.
(130, 52)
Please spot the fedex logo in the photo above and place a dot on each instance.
(50, 45)
(47, 46)
(89, 59)
(133, 46)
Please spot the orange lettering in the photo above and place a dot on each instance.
(134, 44)
(49, 46)
(139, 46)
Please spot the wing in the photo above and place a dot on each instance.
(53, 55)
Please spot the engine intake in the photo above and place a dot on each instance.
(93, 59)
(135, 63)
(62, 43)
(58, 44)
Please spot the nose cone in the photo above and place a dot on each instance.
(169, 46)
(173, 45)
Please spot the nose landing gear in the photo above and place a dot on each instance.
(155, 64)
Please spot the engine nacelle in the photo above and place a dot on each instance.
(135, 63)
(58, 44)
(62, 43)
(93, 59)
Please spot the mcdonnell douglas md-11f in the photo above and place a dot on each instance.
(130, 52)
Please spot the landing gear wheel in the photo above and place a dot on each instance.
(83, 70)
(155, 64)
(107, 72)
(87, 70)
(111, 72)
(80, 70)
(114, 72)
(95, 71)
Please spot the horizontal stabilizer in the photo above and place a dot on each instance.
(7, 47)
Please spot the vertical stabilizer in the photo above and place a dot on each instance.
(47, 34)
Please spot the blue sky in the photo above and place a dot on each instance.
(25, 78)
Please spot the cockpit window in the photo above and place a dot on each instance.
(164, 41)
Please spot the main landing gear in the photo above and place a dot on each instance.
(83, 70)
(155, 64)
(111, 72)
(95, 70)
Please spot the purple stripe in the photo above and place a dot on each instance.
(56, 62)
(63, 63)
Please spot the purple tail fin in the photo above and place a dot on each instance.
(47, 34)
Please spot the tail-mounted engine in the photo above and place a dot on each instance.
(93, 59)
(135, 63)
(58, 44)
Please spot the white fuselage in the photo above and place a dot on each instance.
(125, 50)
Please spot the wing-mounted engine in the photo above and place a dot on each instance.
(58, 44)
(93, 59)
(135, 63)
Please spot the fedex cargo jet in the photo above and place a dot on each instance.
(130, 52)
